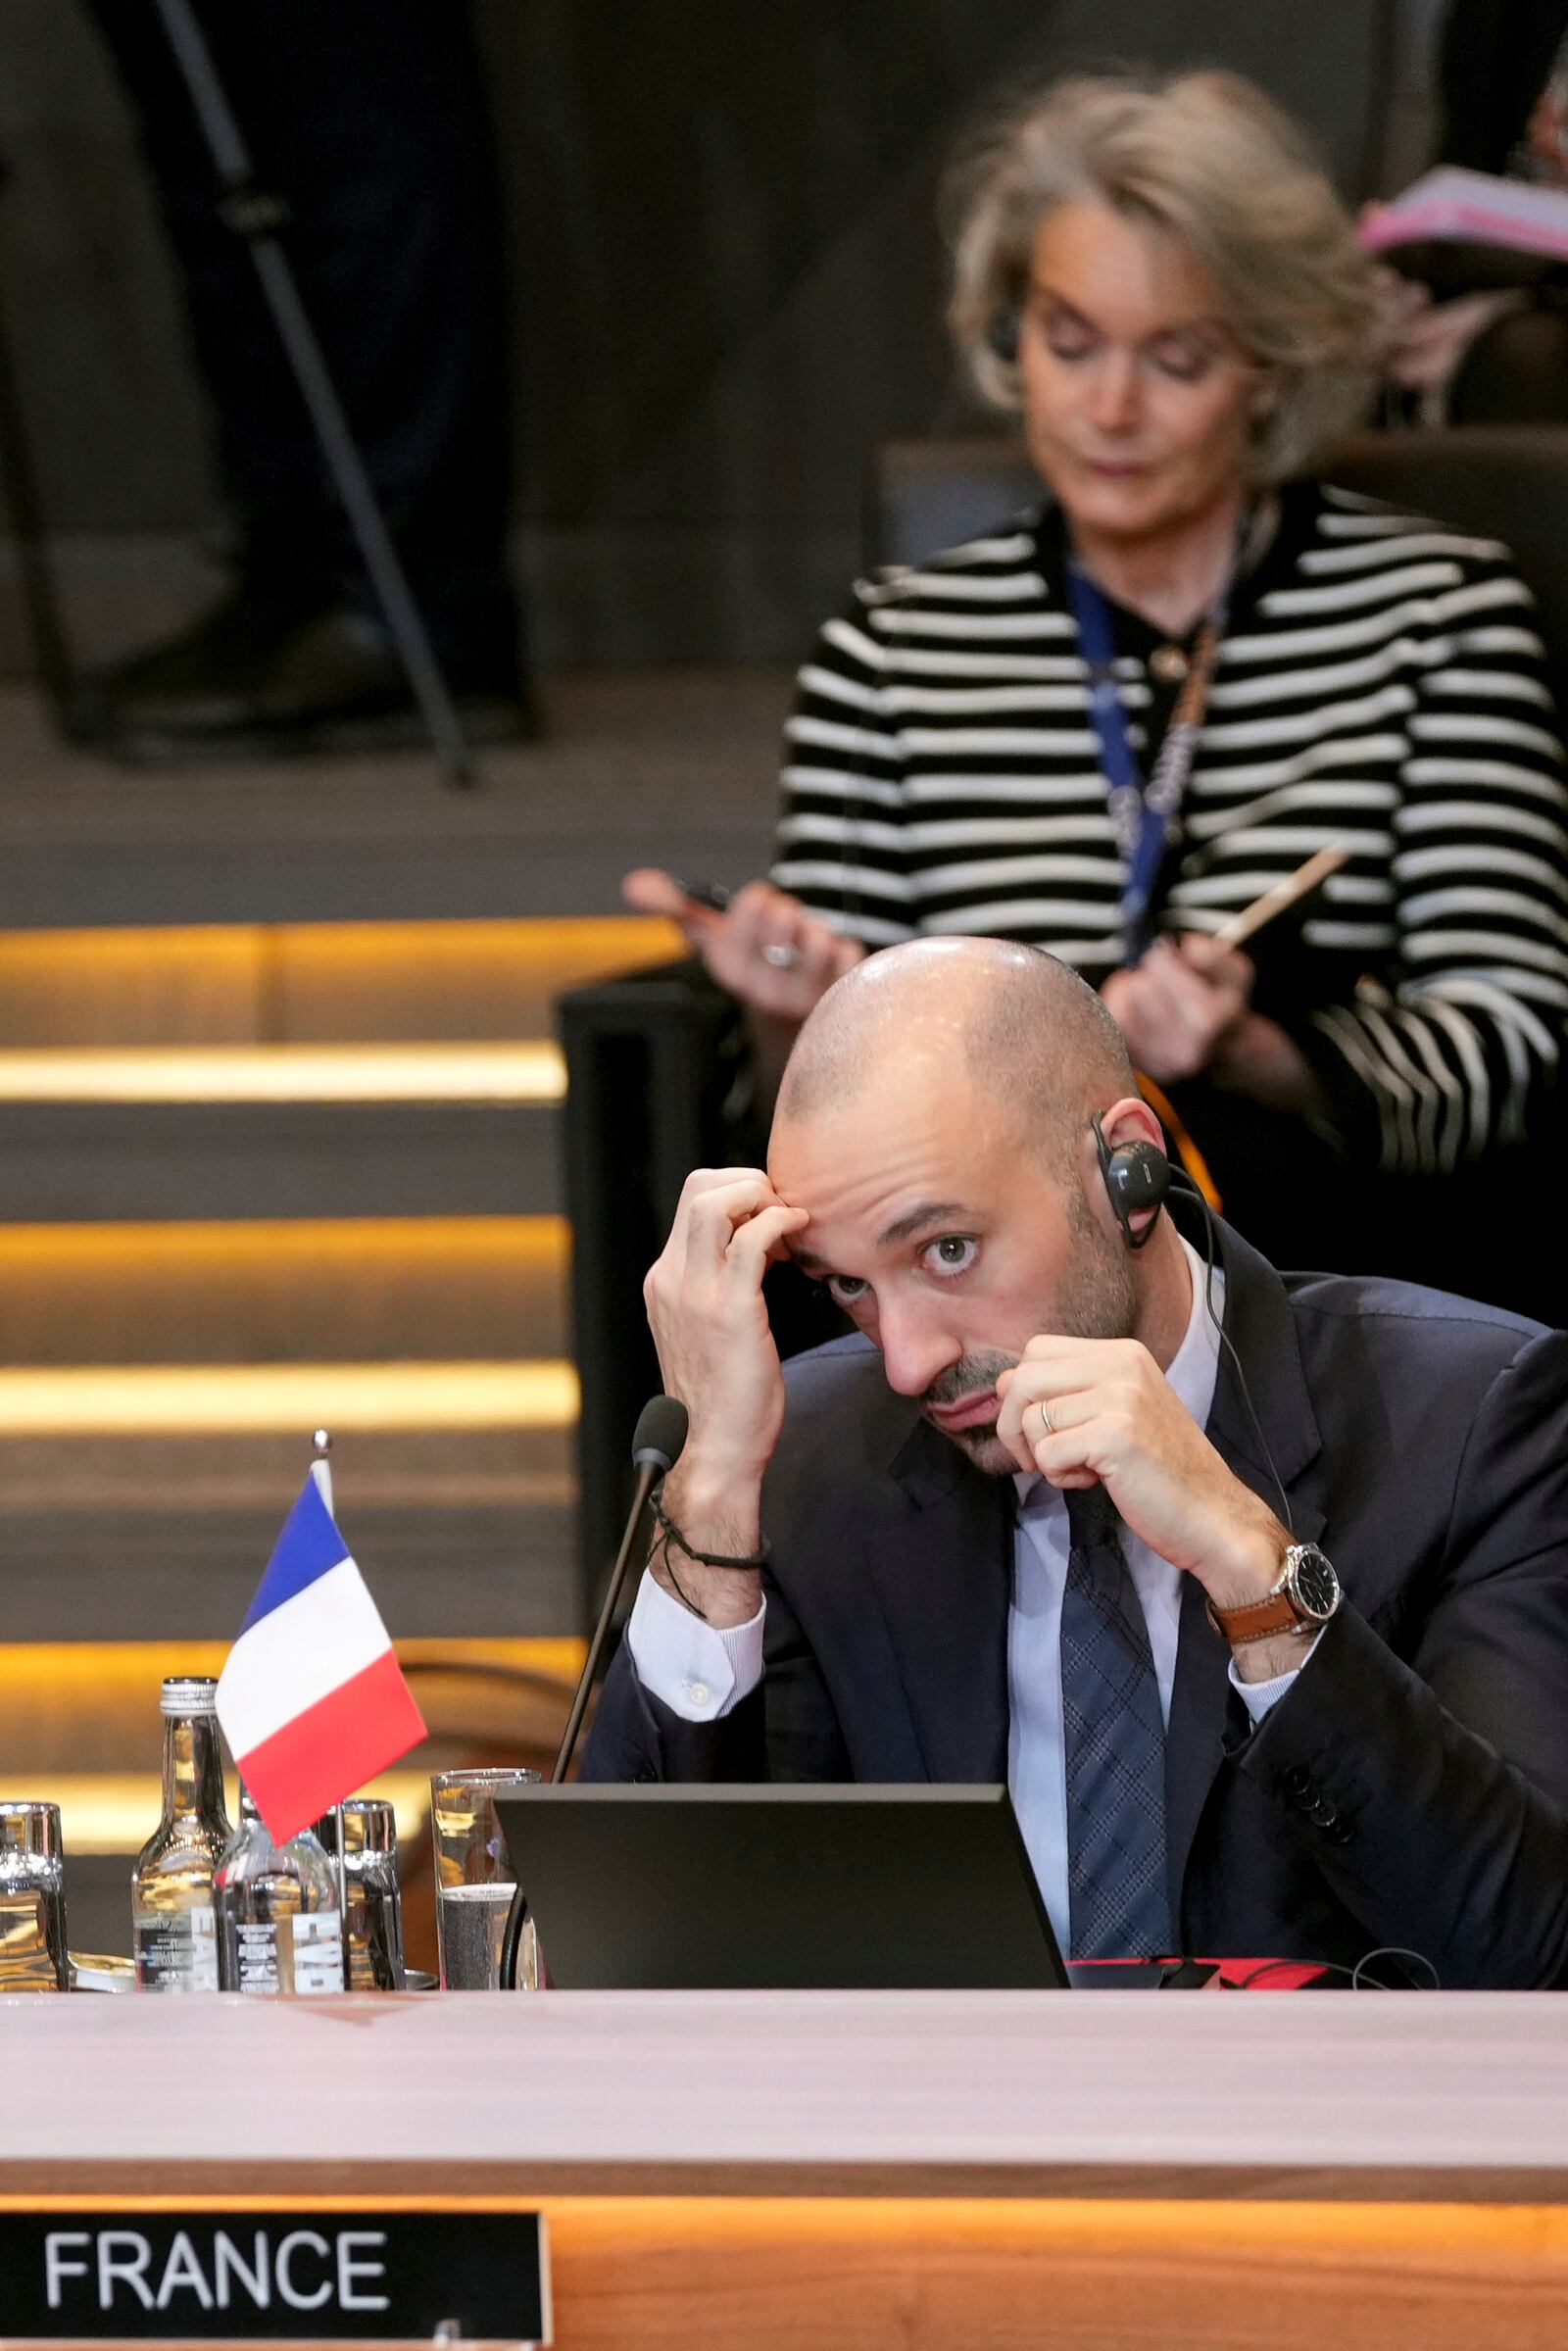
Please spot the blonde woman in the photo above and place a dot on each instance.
(1111, 723)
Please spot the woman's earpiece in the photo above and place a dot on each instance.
(1003, 336)
(1137, 1178)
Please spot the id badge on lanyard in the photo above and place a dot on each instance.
(1140, 829)
(1143, 814)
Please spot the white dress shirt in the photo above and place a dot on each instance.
(701, 1673)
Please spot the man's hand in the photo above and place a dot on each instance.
(1084, 1411)
(716, 1354)
(1177, 1008)
(766, 947)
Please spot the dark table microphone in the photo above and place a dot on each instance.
(656, 1447)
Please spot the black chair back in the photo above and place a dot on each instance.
(1499, 481)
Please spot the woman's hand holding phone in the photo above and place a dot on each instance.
(772, 952)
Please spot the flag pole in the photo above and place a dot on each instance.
(322, 1466)
(321, 1472)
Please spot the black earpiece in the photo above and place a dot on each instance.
(1003, 336)
(1137, 1177)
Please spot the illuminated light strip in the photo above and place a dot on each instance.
(529, 1074)
(133, 1668)
(115, 1812)
(539, 1243)
(108, 1486)
(87, 1705)
(231, 1399)
(575, 939)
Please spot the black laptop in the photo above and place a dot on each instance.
(787, 1887)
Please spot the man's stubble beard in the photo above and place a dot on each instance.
(1097, 1299)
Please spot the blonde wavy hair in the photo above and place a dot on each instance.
(1209, 159)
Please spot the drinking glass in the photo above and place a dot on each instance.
(34, 1953)
(474, 1883)
(373, 1920)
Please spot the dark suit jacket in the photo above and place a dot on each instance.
(1492, 63)
(1410, 1788)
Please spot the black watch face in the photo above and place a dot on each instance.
(1316, 1586)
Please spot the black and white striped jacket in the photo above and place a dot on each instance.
(1380, 683)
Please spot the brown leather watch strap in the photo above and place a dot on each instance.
(1278, 1613)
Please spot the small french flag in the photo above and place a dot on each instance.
(311, 1700)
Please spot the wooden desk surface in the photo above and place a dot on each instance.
(1388, 2096)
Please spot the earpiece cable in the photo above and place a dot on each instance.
(1356, 1977)
(1180, 1177)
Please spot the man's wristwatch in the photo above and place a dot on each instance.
(1304, 1599)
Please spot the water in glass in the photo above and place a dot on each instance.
(474, 1883)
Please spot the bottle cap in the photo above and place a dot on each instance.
(188, 1693)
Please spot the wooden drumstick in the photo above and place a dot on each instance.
(1251, 919)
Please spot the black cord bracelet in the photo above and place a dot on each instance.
(672, 1535)
(662, 1543)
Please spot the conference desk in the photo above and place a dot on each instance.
(995, 2170)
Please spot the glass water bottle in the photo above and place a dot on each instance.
(174, 1927)
(279, 1927)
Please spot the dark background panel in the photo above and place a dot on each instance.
(726, 284)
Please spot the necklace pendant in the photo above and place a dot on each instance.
(1169, 666)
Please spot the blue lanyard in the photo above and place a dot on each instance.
(1142, 832)
(1144, 814)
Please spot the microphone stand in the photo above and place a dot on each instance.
(34, 566)
(257, 215)
(649, 1474)
(660, 1436)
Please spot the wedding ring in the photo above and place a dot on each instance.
(783, 956)
(1044, 1420)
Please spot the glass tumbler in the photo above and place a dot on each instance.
(372, 1923)
(33, 1954)
(474, 1883)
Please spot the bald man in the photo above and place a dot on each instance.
(1268, 1632)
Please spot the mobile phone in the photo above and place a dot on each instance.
(712, 895)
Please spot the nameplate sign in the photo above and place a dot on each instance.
(392, 2277)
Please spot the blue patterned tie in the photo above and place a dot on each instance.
(1116, 1747)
